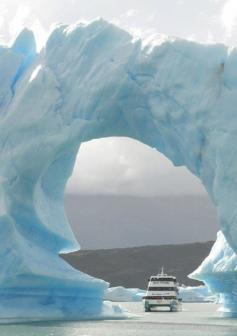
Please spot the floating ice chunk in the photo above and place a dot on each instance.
(218, 271)
(121, 294)
(196, 294)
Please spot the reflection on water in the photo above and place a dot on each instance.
(195, 320)
(116, 329)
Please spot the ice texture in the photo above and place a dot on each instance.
(187, 294)
(219, 271)
(93, 81)
(196, 294)
(122, 294)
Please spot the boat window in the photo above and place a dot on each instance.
(162, 289)
(160, 297)
(163, 279)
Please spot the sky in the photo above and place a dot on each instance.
(202, 20)
(124, 166)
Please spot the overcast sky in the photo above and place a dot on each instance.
(200, 20)
(125, 166)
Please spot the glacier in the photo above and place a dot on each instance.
(92, 81)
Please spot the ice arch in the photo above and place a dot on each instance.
(95, 81)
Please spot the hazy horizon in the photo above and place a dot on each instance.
(106, 221)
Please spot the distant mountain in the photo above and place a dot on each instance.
(102, 221)
(131, 267)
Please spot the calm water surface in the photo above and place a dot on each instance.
(194, 320)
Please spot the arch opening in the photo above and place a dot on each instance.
(123, 194)
(129, 190)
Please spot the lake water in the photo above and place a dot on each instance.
(194, 320)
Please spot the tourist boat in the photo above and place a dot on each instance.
(162, 291)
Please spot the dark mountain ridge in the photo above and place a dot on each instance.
(131, 267)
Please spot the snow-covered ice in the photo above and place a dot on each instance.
(94, 81)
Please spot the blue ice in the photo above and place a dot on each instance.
(93, 81)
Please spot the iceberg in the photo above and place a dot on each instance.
(92, 81)
(122, 294)
(187, 294)
(219, 271)
(196, 294)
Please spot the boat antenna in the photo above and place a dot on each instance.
(162, 270)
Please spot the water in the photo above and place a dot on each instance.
(194, 320)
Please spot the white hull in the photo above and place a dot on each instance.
(162, 292)
(172, 305)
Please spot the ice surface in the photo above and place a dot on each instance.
(94, 81)
(219, 271)
(196, 294)
(121, 294)
(188, 294)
